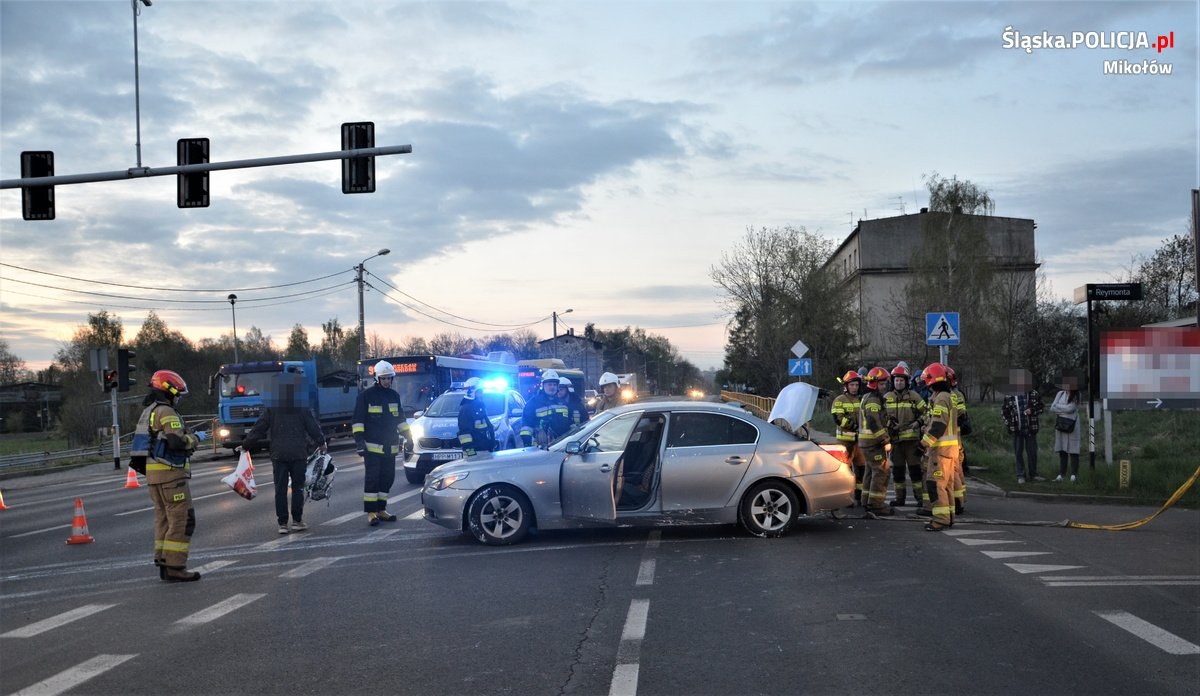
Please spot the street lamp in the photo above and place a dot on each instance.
(137, 94)
(233, 310)
(554, 337)
(362, 334)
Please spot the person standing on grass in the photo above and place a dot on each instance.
(1066, 404)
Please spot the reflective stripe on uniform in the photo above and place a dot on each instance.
(358, 428)
(370, 497)
(465, 438)
(375, 449)
(946, 442)
(179, 546)
(374, 408)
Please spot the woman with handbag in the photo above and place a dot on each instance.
(1066, 429)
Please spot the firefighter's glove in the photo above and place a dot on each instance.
(201, 435)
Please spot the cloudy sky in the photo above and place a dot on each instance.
(598, 156)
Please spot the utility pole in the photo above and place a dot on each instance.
(554, 334)
(362, 332)
(232, 300)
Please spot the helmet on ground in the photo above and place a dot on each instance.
(168, 381)
(608, 378)
(876, 375)
(550, 376)
(900, 370)
(383, 369)
(936, 372)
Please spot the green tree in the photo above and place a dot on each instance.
(297, 345)
(11, 365)
(83, 412)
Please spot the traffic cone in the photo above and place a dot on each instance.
(79, 529)
(2, 505)
(131, 479)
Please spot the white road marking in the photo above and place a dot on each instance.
(70, 678)
(219, 609)
(1120, 580)
(213, 566)
(1014, 554)
(635, 620)
(40, 531)
(987, 542)
(418, 515)
(962, 532)
(1026, 568)
(53, 622)
(194, 498)
(377, 535)
(283, 540)
(624, 681)
(344, 519)
(311, 567)
(1159, 638)
(646, 572)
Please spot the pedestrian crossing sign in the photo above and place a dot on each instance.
(941, 329)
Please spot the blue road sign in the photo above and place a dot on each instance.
(941, 329)
(799, 367)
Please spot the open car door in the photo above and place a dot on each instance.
(587, 477)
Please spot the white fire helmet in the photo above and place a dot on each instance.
(384, 368)
(608, 378)
(550, 376)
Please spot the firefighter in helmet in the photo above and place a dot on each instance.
(475, 430)
(610, 392)
(577, 413)
(904, 409)
(874, 440)
(845, 420)
(545, 416)
(163, 447)
(379, 423)
(964, 428)
(940, 448)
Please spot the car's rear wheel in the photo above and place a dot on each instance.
(499, 515)
(414, 476)
(769, 509)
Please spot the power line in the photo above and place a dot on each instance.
(249, 304)
(437, 309)
(131, 297)
(143, 287)
(439, 319)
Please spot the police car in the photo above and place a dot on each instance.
(435, 430)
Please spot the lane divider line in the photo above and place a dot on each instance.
(54, 622)
(311, 567)
(1163, 640)
(70, 678)
(39, 531)
(219, 609)
(213, 566)
(625, 673)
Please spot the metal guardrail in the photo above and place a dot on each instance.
(29, 462)
(759, 405)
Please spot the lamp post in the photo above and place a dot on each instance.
(137, 94)
(233, 311)
(362, 332)
(554, 335)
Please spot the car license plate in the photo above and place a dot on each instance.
(446, 456)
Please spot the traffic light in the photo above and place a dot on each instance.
(110, 380)
(358, 173)
(125, 369)
(192, 189)
(37, 202)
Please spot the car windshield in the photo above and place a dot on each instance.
(447, 405)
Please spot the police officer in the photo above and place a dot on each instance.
(904, 409)
(163, 447)
(845, 420)
(940, 448)
(545, 416)
(610, 392)
(874, 440)
(378, 424)
(475, 431)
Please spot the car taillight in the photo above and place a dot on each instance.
(839, 453)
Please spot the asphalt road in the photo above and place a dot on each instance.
(844, 606)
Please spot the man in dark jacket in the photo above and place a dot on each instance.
(1021, 409)
(289, 425)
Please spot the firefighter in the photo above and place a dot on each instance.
(904, 409)
(610, 392)
(940, 448)
(475, 430)
(546, 416)
(163, 446)
(845, 420)
(577, 413)
(964, 428)
(875, 443)
(379, 423)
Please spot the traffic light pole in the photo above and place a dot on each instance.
(143, 172)
(116, 431)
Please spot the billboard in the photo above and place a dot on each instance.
(1150, 368)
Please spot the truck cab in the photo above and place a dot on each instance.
(246, 389)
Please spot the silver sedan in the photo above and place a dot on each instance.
(656, 463)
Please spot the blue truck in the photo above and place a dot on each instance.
(247, 388)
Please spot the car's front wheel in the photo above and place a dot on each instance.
(414, 476)
(499, 515)
(769, 509)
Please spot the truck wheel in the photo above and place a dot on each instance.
(413, 476)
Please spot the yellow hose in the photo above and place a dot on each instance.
(1179, 493)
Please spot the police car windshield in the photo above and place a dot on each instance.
(447, 405)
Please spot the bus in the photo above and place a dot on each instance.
(529, 376)
(421, 378)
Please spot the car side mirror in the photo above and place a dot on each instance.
(418, 414)
(573, 448)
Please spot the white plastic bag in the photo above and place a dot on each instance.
(242, 478)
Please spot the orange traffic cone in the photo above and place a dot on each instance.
(2, 505)
(79, 530)
(131, 479)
